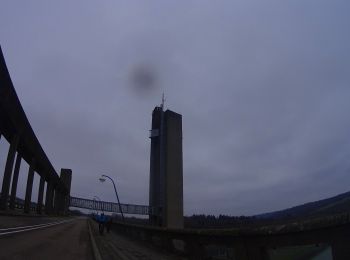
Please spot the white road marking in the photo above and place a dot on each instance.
(28, 228)
(22, 227)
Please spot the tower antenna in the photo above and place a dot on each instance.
(163, 101)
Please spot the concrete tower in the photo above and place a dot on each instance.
(166, 181)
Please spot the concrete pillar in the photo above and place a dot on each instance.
(57, 201)
(173, 206)
(40, 195)
(15, 181)
(66, 178)
(52, 199)
(49, 198)
(62, 192)
(155, 183)
(8, 172)
(29, 187)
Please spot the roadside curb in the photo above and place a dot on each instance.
(95, 250)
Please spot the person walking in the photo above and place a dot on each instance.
(101, 219)
(109, 224)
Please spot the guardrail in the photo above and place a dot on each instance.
(332, 234)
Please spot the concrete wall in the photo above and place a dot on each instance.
(173, 208)
(249, 243)
(66, 179)
(155, 182)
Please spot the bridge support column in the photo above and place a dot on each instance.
(29, 187)
(49, 198)
(58, 201)
(40, 195)
(8, 172)
(66, 178)
(15, 181)
(62, 193)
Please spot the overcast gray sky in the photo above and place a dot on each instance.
(263, 87)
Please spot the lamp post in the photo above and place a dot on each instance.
(102, 179)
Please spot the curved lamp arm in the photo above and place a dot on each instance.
(116, 193)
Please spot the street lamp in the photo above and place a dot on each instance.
(102, 179)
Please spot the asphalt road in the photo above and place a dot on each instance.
(28, 238)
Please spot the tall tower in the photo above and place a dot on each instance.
(166, 170)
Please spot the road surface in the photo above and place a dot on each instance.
(44, 238)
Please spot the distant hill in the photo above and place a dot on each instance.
(333, 205)
(322, 209)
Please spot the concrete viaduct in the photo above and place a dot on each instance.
(24, 145)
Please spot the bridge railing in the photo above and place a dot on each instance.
(332, 234)
(110, 206)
